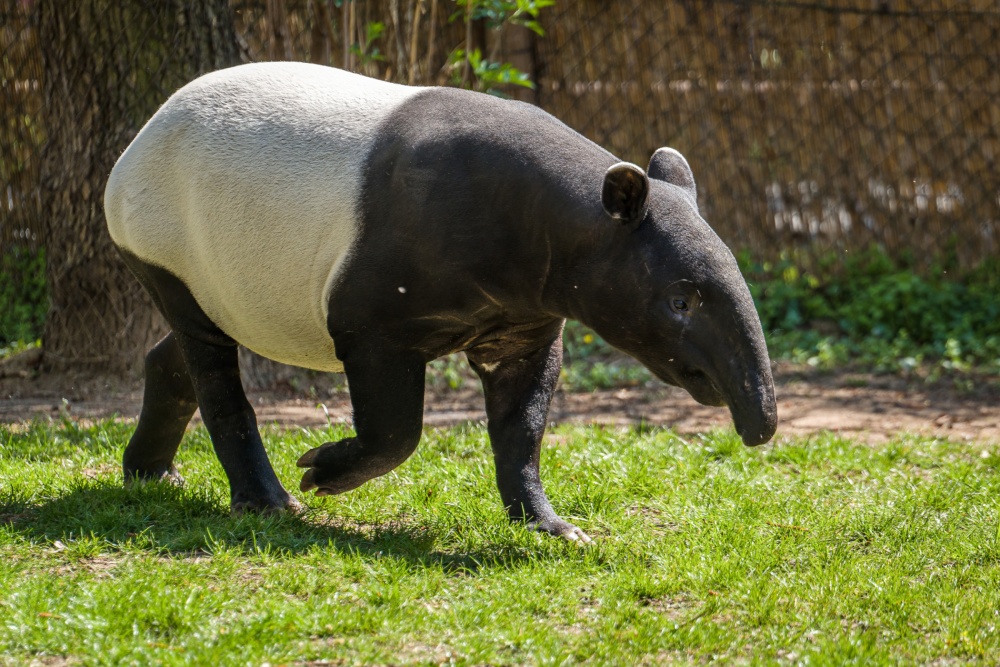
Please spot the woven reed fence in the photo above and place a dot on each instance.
(820, 126)
(825, 125)
(21, 138)
(416, 39)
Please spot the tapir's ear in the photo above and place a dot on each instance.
(670, 166)
(624, 194)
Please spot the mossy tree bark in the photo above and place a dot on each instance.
(107, 66)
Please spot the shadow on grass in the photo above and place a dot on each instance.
(169, 521)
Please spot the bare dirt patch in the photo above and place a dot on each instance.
(873, 408)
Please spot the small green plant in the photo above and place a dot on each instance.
(18, 346)
(601, 375)
(469, 66)
(366, 51)
(451, 372)
(498, 13)
(589, 363)
(489, 75)
(879, 313)
(23, 297)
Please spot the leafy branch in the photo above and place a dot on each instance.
(469, 67)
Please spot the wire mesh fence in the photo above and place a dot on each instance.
(818, 125)
(814, 126)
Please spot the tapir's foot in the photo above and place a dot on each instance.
(336, 467)
(560, 528)
(275, 502)
(139, 476)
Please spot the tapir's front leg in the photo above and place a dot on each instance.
(387, 392)
(518, 394)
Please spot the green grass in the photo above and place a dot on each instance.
(817, 551)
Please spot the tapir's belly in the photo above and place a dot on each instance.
(246, 187)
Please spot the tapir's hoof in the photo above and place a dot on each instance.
(308, 459)
(563, 529)
(279, 504)
(321, 461)
(168, 476)
(309, 483)
(338, 467)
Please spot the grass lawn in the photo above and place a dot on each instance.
(819, 551)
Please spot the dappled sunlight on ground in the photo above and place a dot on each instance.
(872, 408)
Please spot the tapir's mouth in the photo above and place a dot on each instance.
(701, 388)
(753, 409)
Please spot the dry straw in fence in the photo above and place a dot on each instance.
(818, 125)
(824, 126)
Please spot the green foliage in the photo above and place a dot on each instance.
(450, 372)
(589, 363)
(489, 75)
(497, 13)
(865, 310)
(870, 311)
(366, 51)
(23, 298)
(469, 67)
(814, 551)
(873, 311)
(596, 375)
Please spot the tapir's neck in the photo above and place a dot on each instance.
(507, 198)
(580, 237)
(557, 180)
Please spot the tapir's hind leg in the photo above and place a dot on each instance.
(231, 422)
(168, 402)
(198, 361)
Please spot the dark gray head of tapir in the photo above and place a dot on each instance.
(672, 296)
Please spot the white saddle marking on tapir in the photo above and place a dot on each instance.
(246, 186)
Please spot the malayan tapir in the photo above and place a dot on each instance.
(336, 222)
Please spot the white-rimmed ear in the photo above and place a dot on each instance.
(670, 166)
(625, 191)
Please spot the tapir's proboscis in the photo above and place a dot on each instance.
(331, 221)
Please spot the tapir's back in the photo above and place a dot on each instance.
(246, 185)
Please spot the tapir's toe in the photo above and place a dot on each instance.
(326, 467)
(308, 482)
(336, 467)
(279, 504)
(576, 535)
(563, 529)
(168, 476)
(308, 459)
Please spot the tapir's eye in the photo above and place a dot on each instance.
(685, 299)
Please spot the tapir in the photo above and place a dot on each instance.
(341, 223)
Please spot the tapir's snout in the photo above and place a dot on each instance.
(737, 373)
(754, 409)
(751, 401)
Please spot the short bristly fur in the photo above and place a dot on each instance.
(246, 185)
(328, 220)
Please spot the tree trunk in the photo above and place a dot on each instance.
(107, 66)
